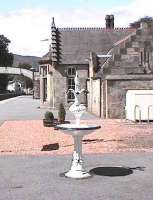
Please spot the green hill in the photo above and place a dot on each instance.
(32, 60)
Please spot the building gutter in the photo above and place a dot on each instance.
(130, 77)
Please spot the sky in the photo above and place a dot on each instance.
(27, 22)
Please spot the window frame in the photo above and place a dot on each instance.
(70, 76)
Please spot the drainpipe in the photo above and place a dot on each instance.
(90, 79)
(106, 99)
(53, 90)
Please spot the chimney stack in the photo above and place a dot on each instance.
(109, 21)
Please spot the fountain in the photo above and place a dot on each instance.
(77, 130)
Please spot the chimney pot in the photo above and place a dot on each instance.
(109, 21)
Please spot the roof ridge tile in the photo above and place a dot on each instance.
(93, 28)
(80, 28)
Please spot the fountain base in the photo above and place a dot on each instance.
(77, 170)
(77, 174)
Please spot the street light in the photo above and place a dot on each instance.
(33, 70)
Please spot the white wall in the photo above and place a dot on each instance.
(139, 102)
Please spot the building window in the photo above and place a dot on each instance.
(45, 71)
(71, 71)
(44, 89)
(70, 82)
(144, 57)
(141, 59)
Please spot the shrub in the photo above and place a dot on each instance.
(49, 115)
(61, 113)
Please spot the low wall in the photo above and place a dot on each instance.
(8, 96)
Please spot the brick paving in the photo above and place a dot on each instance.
(31, 137)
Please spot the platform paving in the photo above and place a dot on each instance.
(31, 137)
(27, 108)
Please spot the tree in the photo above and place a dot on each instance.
(136, 24)
(25, 65)
(3, 82)
(6, 59)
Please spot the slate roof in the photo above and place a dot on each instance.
(76, 43)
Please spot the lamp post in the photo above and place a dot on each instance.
(33, 70)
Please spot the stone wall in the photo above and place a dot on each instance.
(116, 96)
(37, 89)
(60, 88)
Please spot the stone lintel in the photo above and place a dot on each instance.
(48, 61)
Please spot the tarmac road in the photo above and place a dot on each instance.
(125, 176)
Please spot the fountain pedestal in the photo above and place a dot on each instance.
(77, 170)
(77, 131)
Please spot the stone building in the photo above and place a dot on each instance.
(129, 69)
(110, 61)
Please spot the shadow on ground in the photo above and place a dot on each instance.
(114, 171)
(50, 147)
(85, 141)
(111, 171)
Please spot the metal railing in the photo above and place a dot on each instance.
(149, 107)
(135, 110)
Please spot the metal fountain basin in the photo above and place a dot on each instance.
(78, 129)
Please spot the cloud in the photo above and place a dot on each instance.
(132, 12)
(27, 27)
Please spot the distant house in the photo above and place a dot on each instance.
(110, 61)
(14, 86)
(18, 84)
